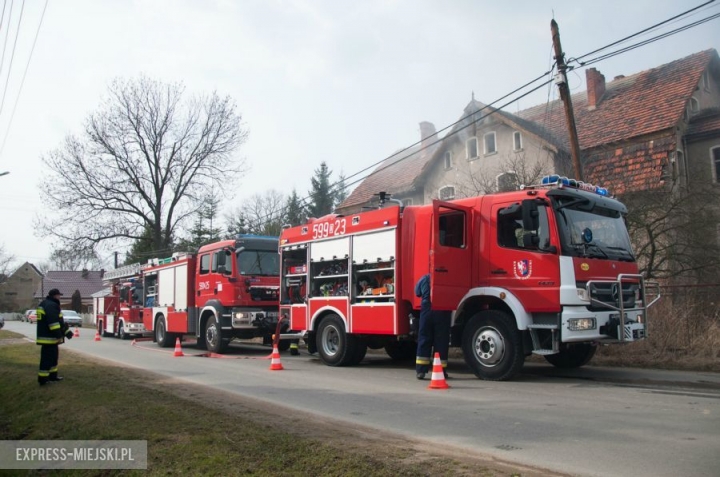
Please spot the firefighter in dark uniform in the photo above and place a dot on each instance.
(51, 331)
(433, 331)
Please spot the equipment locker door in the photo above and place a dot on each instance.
(450, 254)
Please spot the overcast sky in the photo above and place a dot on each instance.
(345, 82)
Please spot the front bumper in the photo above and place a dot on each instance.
(608, 327)
(254, 319)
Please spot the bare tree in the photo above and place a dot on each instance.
(674, 233)
(71, 260)
(515, 170)
(145, 161)
(6, 262)
(261, 214)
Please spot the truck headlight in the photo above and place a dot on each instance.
(581, 324)
(241, 315)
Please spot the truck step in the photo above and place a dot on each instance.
(539, 326)
(543, 352)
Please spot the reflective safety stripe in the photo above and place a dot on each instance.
(293, 345)
(55, 326)
(422, 360)
(47, 340)
(53, 369)
(444, 364)
(43, 374)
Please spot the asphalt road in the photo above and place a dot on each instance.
(591, 421)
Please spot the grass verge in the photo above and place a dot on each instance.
(192, 434)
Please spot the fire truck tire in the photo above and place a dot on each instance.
(492, 346)
(572, 356)
(336, 348)
(163, 338)
(121, 331)
(360, 352)
(101, 329)
(401, 350)
(214, 340)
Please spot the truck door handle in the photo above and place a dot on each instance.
(441, 270)
(215, 291)
(499, 271)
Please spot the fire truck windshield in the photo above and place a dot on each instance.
(600, 233)
(258, 262)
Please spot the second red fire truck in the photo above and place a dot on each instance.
(227, 290)
(546, 270)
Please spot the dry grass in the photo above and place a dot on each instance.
(682, 334)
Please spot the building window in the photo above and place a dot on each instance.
(694, 105)
(489, 142)
(448, 160)
(471, 147)
(507, 181)
(715, 156)
(706, 80)
(517, 141)
(446, 193)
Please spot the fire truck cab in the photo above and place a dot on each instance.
(546, 270)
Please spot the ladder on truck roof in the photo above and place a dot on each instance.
(126, 271)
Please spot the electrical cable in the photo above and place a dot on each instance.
(22, 82)
(12, 57)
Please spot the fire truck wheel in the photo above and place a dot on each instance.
(572, 356)
(283, 345)
(360, 351)
(213, 336)
(336, 347)
(492, 346)
(163, 338)
(401, 350)
(121, 331)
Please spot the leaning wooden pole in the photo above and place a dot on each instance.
(567, 102)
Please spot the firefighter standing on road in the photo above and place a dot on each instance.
(50, 331)
(433, 332)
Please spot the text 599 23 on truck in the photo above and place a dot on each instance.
(547, 270)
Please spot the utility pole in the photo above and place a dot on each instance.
(561, 81)
(116, 261)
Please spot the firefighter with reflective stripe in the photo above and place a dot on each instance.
(433, 331)
(51, 330)
(294, 349)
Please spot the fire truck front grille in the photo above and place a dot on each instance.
(263, 294)
(611, 293)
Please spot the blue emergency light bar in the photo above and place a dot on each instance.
(564, 181)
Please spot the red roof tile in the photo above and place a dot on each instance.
(644, 103)
(67, 282)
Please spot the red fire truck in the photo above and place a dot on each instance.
(546, 270)
(119, 311)
(228, 290)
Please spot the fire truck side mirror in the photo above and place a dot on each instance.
(530, 215)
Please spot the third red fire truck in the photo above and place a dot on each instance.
(119, 312)
(547, 270)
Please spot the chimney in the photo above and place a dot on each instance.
(595, 87)
(618, 77)
(84, 272)
(102, 272)
(427, 133)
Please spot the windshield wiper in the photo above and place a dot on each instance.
(587, 247)
(625, 251)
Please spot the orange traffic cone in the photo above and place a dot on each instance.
(77, 333)
(178, 349)
(275, 364)
(97, 336)
(438, 376)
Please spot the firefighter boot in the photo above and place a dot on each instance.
(294, 351)
(55, 378)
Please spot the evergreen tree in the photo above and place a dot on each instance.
(340, 190)
(295, 213)
(322, 199)
(76, 301)
(143, 249)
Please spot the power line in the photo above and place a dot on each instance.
(7, 32)
(643, 31)
(12, 56)
(22, 82)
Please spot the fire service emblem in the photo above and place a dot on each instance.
(523, 269)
